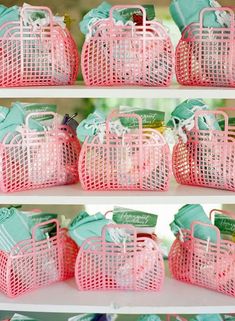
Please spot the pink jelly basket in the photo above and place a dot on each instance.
(130, 263)
(117, 54)
(33, 159)
(133, 161)
(207, 158)
(206, 56)
(33, 264)
(41, 56)
(203, 263)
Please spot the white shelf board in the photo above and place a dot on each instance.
(175, 297)
(74, 195)
(81, 91)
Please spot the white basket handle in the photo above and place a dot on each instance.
(142, 9)
(46, 10)
(229, 10)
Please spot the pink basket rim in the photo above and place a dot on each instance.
(101, 239)
(33, 241)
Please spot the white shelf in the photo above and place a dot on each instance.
(175, 297)
(81, 91)
(74, 195)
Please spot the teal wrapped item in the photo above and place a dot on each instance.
(13, 228)
(187, 215)
(84, 226)
(16, 115)
(186, 111)
(8, 15)
(34, 218)
(149, 317)
(185, 13)
(90, 126)
(207, 317)
(101, 12)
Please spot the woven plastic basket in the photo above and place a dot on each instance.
(39, 159)
(134, 161)
(135, 264)
(203, 263)
(207, 159)
(115, 54)
(33, 264)
(42, 57)
(206, 56)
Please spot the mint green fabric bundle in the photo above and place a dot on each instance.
(13, 228)
(90, 126)
(185, 13)
(11, 119)
(186, 111)
(8, 15)
(34, 218)
(84, 226)
(187, 215)
(101, 12)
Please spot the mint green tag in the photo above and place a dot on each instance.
(123, 215)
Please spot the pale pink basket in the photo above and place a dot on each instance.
(33, 264)
(203, 263)
(208, 157)
(206, 56)
(42, 57)
(133, 161)
(115, 54)
(136, 264)
(34, 159)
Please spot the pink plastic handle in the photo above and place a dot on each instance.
(126, 227)
(199, 113)
(157, 133)
(107, 213)
(46, 113)
(37, 226)
(214, 211)
(114, 8)
(195, 223)
(228, 9)
(116, 114)
(40, 9)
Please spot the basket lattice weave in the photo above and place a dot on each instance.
(39, 159)
(134, 161)
(42, 57)
(134, 265)
(128, 55)
(202, 263)
(208, 157)
(206, 56)
(33, 264)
